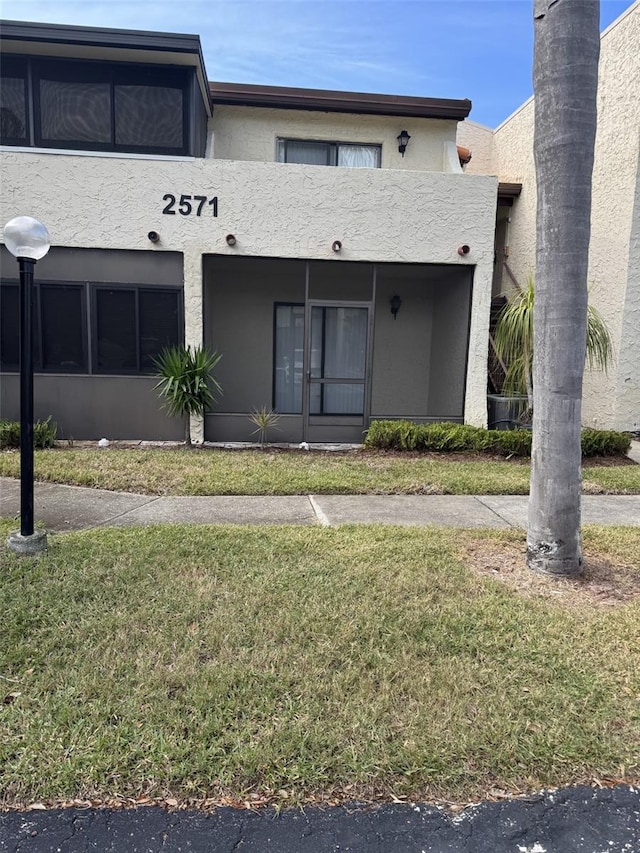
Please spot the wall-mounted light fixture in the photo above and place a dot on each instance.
(396, 302)
(403, 140)
(336, 246)
(231, 239)
(154, 236)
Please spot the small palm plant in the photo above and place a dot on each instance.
(514, 343)
(264, 420)
(185, 382)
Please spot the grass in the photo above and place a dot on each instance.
(220, 472)
(292, 662)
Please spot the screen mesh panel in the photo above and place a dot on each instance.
(149, 116)
(75, 111)
(62, 320)
(9, 327)
(116, 328)
(13, 110)
(159, 325)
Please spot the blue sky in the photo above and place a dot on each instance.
(477, 49)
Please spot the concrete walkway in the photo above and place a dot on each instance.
(62, 508)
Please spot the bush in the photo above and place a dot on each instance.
(449, 437)
(604, 442)
(44, 434)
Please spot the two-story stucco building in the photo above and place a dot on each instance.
(278, 226)
(344, 272)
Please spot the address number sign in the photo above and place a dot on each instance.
(190, 204)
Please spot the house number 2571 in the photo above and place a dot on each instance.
(188, 204)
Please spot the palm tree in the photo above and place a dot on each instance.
(514, 343)
(185, 382)
(565, 82)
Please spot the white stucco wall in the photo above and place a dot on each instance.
(478, 138)
(250, 133)
(613, 399)
(274, 210)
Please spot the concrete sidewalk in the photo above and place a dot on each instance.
(62, 508)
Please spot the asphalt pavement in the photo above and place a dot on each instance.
(572, 820)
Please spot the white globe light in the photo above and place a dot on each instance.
(26, 237)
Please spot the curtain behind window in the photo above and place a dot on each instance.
(310, 153)
(359, 156)
(288, 358)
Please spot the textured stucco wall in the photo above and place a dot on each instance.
(479, 139)
(274, 210)
(250, 133)
(610, 400)
(627, 413)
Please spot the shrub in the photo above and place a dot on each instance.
(185, 382)
(511, 442)
(44, 434)
(264, 420)
(604, 442)
(449, 437)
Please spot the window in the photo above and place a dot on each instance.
(59, 340)
(288, 358)
(9, 327)
(328, 153)
(95, 105)
(129, 327)
(62, 323)
(13, 102)
(132, 325)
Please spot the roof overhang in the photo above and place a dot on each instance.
(507, 193)
(322, 100)
(72, 42)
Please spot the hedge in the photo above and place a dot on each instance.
(44, 434)
(447, 437)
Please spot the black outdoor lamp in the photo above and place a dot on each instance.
(28, 240)
(396, 302)
(403, 140)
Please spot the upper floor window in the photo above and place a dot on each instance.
(328, 153)
(99, 106)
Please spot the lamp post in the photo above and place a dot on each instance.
(28, 240)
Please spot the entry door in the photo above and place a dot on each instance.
(337, 357)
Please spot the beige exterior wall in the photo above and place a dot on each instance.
(479, 140)
(274, 210)
(250, 133)
(613, 399)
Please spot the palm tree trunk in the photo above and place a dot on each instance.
(187, 432)
(566, 52)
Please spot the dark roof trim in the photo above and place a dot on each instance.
(282, 97)
(509, 190)
(99, 37)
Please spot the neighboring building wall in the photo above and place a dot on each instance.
(479, 140)
(274, 210)
(250, 133)
(614, 273)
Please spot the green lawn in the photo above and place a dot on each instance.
(219, 472)
(292, 662)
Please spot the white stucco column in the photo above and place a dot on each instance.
(475, 406)
(193, 319)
